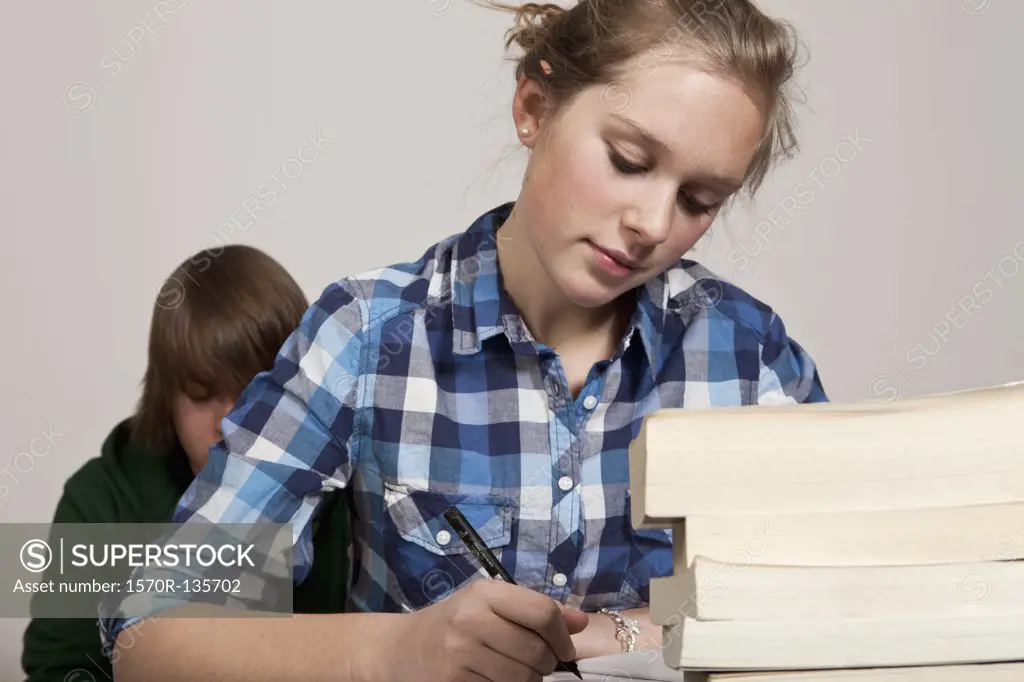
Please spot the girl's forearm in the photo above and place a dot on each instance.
(350, 647)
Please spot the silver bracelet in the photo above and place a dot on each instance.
(626, 629)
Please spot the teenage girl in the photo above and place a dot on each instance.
(507, 370)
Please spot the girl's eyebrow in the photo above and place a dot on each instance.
(641, 132)
(715, 182)
(719, 184)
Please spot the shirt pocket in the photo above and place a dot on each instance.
(650, 556)
(427, 559)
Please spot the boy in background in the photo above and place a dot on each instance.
(219, 320)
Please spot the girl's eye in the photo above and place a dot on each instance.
(622, 165)
(686, 201)
(691, 205)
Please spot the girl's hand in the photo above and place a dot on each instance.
(489, 630)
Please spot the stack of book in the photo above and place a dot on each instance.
(841, 542)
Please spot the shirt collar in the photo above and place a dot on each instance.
(667, 304)
(477, 295)
(482, 309)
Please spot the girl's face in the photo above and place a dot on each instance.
(629, 176)
(197, 423)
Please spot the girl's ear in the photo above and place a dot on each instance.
(529, 110)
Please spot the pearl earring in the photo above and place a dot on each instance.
(525, 130)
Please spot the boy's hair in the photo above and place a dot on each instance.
(219, 319)
(592, 43)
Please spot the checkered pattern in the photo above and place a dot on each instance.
(418, 386)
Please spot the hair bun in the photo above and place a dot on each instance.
(532, 22)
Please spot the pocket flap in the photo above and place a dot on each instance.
(418, 516)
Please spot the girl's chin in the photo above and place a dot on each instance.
(588, 292)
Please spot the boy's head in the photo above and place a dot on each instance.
(219, 319)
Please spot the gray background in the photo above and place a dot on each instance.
(121, 158)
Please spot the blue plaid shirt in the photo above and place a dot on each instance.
(418, 386)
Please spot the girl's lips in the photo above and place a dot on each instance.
(610, 264)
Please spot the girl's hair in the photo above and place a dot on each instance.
(219, 319)
(595, 41)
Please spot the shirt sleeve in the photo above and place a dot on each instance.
(788, 374)
(288, 439)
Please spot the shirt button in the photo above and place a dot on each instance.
(565, 483)
(590, 402)
(443, 537)
(559, 579)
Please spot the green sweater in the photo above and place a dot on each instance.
(129, 484)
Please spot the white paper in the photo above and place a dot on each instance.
(631, 667)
